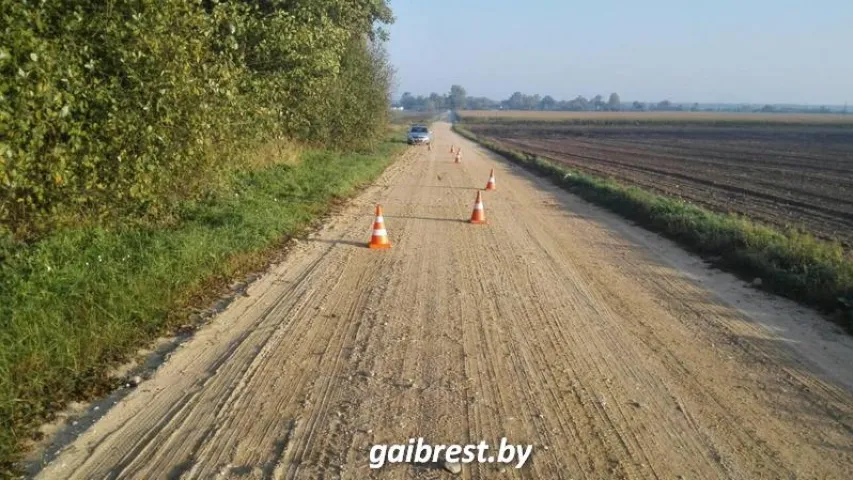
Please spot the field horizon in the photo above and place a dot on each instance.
(479, 116)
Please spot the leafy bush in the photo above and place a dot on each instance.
(122, 107)
(118, 117)
(79, 300)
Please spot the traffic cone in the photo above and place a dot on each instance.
(451, 149)
(479, 215)
(491, 184)
(459, 156)
(380, 236)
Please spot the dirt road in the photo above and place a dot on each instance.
(557, 324)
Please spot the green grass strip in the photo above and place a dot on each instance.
(78, 302)
(792, 264)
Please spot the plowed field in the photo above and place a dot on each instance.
(786, 175)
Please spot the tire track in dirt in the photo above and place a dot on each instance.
(557, 324)
(591, 401)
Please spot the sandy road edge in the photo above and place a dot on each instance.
(740, 262)
(78, 416)
(217, 407)
(819, 340)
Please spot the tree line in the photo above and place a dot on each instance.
(458, 99)
(119, 107)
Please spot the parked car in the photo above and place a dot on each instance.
(419, 134)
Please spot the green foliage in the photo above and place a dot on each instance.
(122, 107)
(433, 103)
(792, 264)
(614, 103)
(81, 299)
(407, 118)
(121, 117)
(520, 101)
(457, 97)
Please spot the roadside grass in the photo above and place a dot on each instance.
(792, 264)
(80, 301)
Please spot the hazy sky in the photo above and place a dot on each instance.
(755, 51)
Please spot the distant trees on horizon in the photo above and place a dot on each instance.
(457, 99)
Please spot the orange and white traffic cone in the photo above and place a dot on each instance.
(479, 215)
(491, 184)
(380, 235)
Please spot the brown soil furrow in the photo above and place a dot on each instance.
(764, 158)
(831, 222)
(826, 184)
(843, 210)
